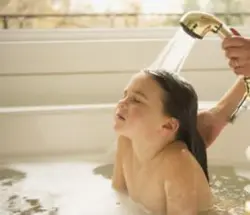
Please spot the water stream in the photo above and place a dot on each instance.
(174, 54)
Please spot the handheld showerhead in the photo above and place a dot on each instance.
(197, 24)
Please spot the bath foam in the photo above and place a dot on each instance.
(61, 189)
(84, 187)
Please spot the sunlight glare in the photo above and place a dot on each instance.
(161, 6)
(147, 6)
(247, 207)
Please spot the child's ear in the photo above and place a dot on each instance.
(171, 125)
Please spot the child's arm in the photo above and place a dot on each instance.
(118, 180)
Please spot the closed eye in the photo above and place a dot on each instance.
(140, 94)
(134, 99)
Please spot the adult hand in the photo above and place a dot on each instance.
(237, 50)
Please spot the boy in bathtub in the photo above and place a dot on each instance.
(161, 158)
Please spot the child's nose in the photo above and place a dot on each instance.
(123, 103)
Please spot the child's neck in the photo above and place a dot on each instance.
(146, 150)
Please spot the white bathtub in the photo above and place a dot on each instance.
(75, 129)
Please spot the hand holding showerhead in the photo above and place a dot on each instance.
(197, 24)
(237, 50)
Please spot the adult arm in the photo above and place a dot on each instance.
(211, 122)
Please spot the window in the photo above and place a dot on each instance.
(114, 13)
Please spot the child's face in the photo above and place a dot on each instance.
(140, 111)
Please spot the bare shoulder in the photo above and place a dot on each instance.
(179, 161)
(176, 157)
(185, 178)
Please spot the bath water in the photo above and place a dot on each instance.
(78, 187)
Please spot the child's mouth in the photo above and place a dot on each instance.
(119, 116)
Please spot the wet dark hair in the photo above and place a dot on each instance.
(181, 102)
